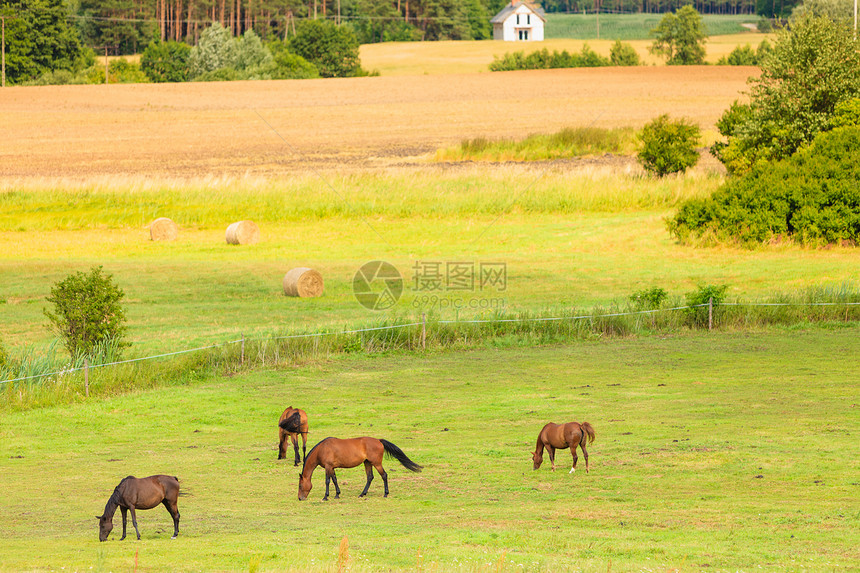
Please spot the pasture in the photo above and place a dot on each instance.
(725, 452)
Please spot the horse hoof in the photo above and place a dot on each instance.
(174, 537)
(572, 470)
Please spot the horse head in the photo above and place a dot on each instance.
(537, 458)
(304, 487)
(105, 526)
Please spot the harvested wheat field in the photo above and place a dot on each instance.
(267, 128)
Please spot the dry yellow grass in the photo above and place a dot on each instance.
(215, 129)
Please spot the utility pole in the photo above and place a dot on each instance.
(115, 47)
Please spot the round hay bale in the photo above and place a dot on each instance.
(303, 282)
(163, 229)
(243, 233)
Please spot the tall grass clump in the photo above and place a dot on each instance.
(569, 142)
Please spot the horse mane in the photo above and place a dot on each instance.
(315, 447)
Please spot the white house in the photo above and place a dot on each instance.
(519, 21)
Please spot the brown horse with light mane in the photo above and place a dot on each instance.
(296, 428)
(140, 493)
(560, 436)
(334, 453)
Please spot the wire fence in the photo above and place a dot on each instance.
(423, 332)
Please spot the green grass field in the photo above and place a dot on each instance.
(633, 26)
(570, 239)
(718, 452)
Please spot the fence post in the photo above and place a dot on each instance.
(87, 376)
(423, 331)
(710, 313)
(242, 359)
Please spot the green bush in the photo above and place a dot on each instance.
(814, 66)
(120, 71)
(166, 61)
(289, 66)
(764, 25)
(87, 312)
(215, 50)
(649, 299)
(746, 56)
(812, 198)
(331, 48)
(546, 60)
(622, 54)
(668, 146)
(696, 314)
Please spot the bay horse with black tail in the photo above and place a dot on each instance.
(334, 453)
(140, 493)
(288, 428)
(560, 436)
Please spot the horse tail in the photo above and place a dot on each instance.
(293, 424)
(587, 430)
(398, 455)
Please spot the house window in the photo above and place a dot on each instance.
(528, 18)
(523, 34)
(518, 19)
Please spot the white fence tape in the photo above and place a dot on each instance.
(411, 324)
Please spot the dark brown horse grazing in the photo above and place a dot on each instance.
(140, 493)
(334, 453)
(291, 428)
(560, 436)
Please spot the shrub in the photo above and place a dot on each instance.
(811, 197)
(251, 54)
(120, 71)
(216, 49)
(813, 67)
(331, 48)
(648, 299)
(622, 54)
(87, 312)
(764, 25)
(166, 61)
(546, 60)
(668, 146)
(697, 315)
(289, 66)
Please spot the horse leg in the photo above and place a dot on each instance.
(124, 512)
(296, 448)
(368, 469)
(336, 488)
(304, 446)
(585, 455)
(173, 510)
(551, 451)
(573, 451)
(134, 522)
(327, 480)
(384, 475)
(282, 439)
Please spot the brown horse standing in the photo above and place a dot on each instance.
(140, 493)
(560, 436)
(334, 453)
(296, 427)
